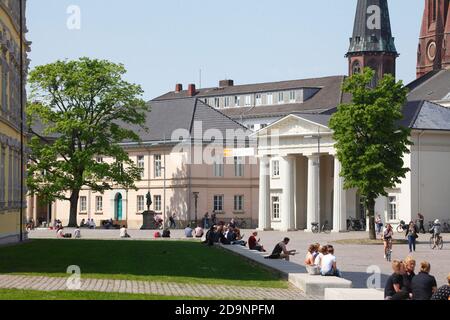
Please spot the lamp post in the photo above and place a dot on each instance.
(196, 205)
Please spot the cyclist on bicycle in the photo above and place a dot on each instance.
(436, 230)
(387, 239)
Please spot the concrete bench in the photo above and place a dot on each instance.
(294, 273)
(353, 294)
(316, 285)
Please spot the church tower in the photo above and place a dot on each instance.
(434, 42)
(372, 44)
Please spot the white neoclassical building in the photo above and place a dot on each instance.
(300, 182)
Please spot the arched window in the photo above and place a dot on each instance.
(356, 68)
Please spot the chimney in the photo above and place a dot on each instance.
(178, 88)
(191, 90)
(226, 83)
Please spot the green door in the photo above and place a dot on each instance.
(119, 207)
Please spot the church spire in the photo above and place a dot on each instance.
(434, 45)
(372, 44)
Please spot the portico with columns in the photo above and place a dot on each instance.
(299, 176)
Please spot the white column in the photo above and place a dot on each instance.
(287, 172)
(265, 221)
(339, 201)
(313, 192)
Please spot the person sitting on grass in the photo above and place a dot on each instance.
(395, 287)
(198, 232)
(328, 267)
(280, 251)
(443, 293)
(188, 232)
(124, 233)
(254, 244)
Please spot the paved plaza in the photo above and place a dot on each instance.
(353, 260)
(153, 288)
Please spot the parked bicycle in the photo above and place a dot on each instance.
(356, 224)
(241, 223)
(324, 229)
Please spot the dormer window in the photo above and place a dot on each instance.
(280, 97)
(258, 98)
(292, 96)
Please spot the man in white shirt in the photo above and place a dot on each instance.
(328, 264)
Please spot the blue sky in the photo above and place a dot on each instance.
(165, 42)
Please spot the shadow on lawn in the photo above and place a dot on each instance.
(130, 258)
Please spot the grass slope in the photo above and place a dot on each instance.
(166, 261)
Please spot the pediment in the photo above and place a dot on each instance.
(294, 125)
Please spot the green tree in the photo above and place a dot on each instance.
(82, 105)
(370, 143)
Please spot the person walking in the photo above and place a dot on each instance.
(387, 239)
(421, 221)
(379, 224)
(173, 224)
(206, 221)
(412, 235)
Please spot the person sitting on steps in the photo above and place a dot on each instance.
(280, 251)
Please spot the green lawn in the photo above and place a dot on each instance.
(167, 261)
(12, 294)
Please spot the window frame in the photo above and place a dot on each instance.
(239, 163)
(238, 203)
(157, 163)
(392, 214)
(157, 203)
(98, 204)
(141, 165)
(218, 199)
(81, 204)
(275, 169)
(140, 208)
(275, 208)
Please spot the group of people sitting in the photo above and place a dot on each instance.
(405, 284)
(61, 235)
(320, 260)
(224, 234)
(90, 224)
(194, 233)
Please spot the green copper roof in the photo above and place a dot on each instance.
(372, 30)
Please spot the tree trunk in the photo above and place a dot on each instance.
(74, 209)
(371, 215)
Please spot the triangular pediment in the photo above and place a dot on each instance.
(296, 125)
